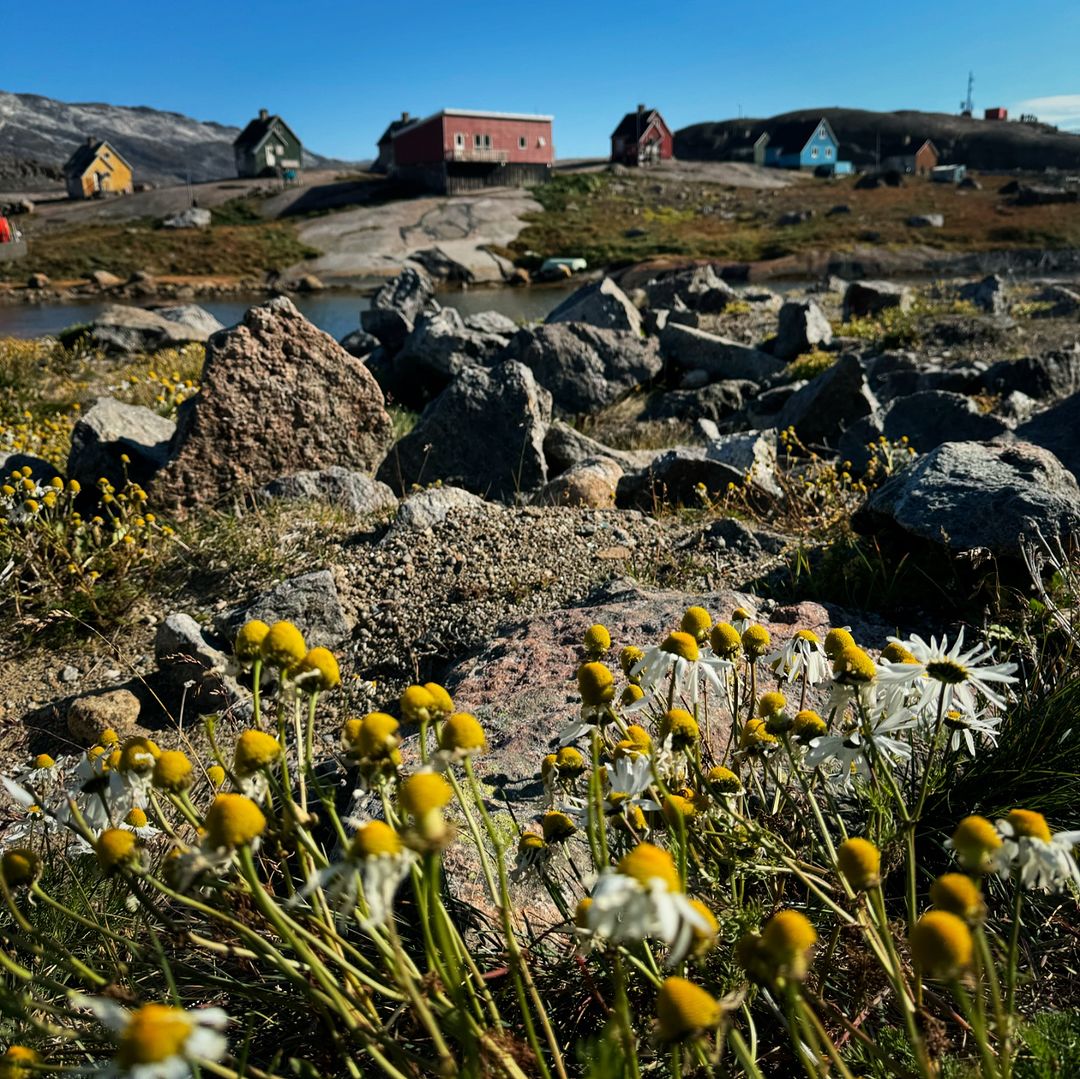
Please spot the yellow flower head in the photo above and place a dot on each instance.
(787, 939)
(725, 640)
(897, 653)
(684, 1009)
(570, 762)
(630, 695)
(136, 818)
(581, 911)
(836, 640)
(557, 827)
(20, 866)
(975, 842)
(808, 725)
(115, 847)
(597, 640)
(216, 774)
(373, 737)
(425, 791)
(681, 644)
(138, 755)
(153, 1034)
(444, 704)
(755, 641)
(853, 665)
(530, 842)
(317, 672)
(755, 735)
(680, 726)
(418, 705)
(596, 684)
(248, 644)
(639, 738)
(374, 839)
(677, 808)
(629, 658)
(173, 771)
(462, 733)
(548, 765)
(859, 862)
(723, 780)
(43, 760)
(109, 737)
(697, 622)
(18, 1062)
(283, 645)
(771, 704)
(959, 895)
(232, 821)
(646, 863)
(1026, 822)
(255, 750)
(705, 940)
(941, 945)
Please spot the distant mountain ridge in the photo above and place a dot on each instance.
(980, 144)
(38, 134)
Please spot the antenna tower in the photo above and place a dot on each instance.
(967, 106)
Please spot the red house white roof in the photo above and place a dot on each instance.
(482, 113)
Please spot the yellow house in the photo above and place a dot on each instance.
(97, 169)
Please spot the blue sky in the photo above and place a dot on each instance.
(339, 72)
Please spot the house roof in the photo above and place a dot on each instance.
(85, 155)
(634, 124)
(392, 128)
(792, 135)
(905, 148)
(258, 131)
(482, 113)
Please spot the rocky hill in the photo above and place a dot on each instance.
(38, 134)
(981, 144)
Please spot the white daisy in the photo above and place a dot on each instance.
(800, 654)
(1042, 860)
(854, 749)
(158, 1041)
(679, 664)
(965, 728)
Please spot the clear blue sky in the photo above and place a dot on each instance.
(339, 72)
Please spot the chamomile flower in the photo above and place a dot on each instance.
(158, 1041)
(678, 663)
(643, 897)
(854, 749)
(1041, 859)
(960, 676)
(965, 729)
(532, 853)
(627, 787)
(799, 656)
(136, 821)
(596, 684)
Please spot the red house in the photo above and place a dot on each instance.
(464, 150)
(996, 114)
(642, 138)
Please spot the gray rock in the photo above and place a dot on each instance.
(602, 304)
(341, 487)
(40, 471)
(590, 483)
(654, 320)
(192, 317)
(121, 328)
(69, 674)
(1016, 408)
(731, 534)
(485, 433)
(762, 409)
(1046, 377)
(752, 454)
(987, 294)
(1057, 430)
(89, 717)
(464, 262)
(721, 357)
(928, 419)
(675, 477)
(1064, 301)
(872, 297)
(309, 601)
(105, 280)
(695, 379)
(359, 343)
(698, 288)
(926, 221)
(397, 306)
(717, 401)
(978, 495)
(584, 368)
(187, 661)
(194, 217)
(565, 447)
(427, 508)
(108, 431)
(440, 347)
(829, 403)
(794, 217)
(802, 326)
(491, 322)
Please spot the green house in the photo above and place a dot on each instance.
(268, 147)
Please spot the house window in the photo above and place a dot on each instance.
(828, 151)
(522, 142)
(487, 142)
(459, 140)
(541, 141)
(813, 151)
(478, 141)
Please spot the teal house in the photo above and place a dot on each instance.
(801, 144)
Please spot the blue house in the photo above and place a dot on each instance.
(801, 144)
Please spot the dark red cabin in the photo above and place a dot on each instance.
(642, 138)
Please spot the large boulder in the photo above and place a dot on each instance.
(591, 483)
(679, 476)
(194, 217)
(565, 447)
(110, 431)
(1057, 430)
(276, 392)
(583, 367)
(192, 317)
(752, 453)
(872, 297)
(465, 262)
(698, 288)
(122, 328)
(427, 508)
(987, 294)
(602, 304)
(493, 322)
(828, 404)
(972, 495)
(485, 433)
(339, 487)
(439, 348)
(722, 358)
(1047, 377)
(717, 401)
(397, 306)
(928, 419)
(802, 326)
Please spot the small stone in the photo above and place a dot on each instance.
(89, 717)
(69, 674)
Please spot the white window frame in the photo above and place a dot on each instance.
(813, 151)
(828, 151)
(459, 140)
(478, 141)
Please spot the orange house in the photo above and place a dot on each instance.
(96, 169)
